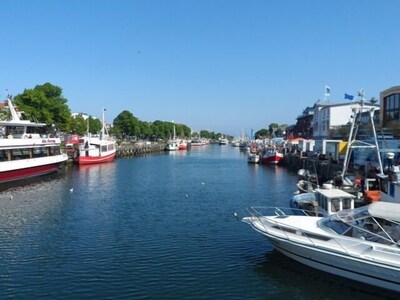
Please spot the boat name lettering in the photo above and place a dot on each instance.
(48, 140)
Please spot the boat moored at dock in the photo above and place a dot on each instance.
(27, 150)
(359, 244)
(95, 150)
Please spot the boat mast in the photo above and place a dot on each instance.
(357, 111)
(102, 124)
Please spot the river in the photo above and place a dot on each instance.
(156, 227)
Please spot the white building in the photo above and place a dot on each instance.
(329, 116)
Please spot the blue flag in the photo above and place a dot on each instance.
(349, 97)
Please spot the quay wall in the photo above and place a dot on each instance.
(326, 169)
(127, 151)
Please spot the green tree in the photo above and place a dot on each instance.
(127, 124)
(95, 125)
(262, 133)
(45, 104)
(78, 125)
(272, 128)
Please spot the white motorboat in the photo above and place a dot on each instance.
(253, 158)
(360, 244)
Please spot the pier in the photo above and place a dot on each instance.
(325, 168)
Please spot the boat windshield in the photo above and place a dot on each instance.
(335, 224)
(369, 223)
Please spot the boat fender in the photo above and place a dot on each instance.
(327, 186)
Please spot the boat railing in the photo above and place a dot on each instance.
(289, 231)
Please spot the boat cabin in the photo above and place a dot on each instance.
(332, 200)
(389, 186)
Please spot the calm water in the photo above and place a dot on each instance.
(156, 227)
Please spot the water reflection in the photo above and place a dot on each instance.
(98, 177)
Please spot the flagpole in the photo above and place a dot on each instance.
(327, 93)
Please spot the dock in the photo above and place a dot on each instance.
(325, 168)
(127, 151)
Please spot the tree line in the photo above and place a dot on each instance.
(46, 104)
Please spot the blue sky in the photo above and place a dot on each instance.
(220, 65)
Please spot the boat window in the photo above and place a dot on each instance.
(3, 155)
(20, 154)
(322, 202)
(383, 185)
(39, 152)
(35, 130)
(315, 236)
(335, 205)
(15, 131)
(391, 189)
(54, 151)
(104, 148)
(284, 228)
(346, 203)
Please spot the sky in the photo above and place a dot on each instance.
(227, 66)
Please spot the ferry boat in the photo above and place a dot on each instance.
(26, 150)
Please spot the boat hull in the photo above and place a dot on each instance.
(272, 158)
(91, 160)
(29, 172)
(253, 158)
(340, 265)
(325, 255)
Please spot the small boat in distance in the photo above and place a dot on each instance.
(182, 144)
(95, 150)
(253, 158)
(271, 156)
(27, 150)
(223, 141)
(172, 144)
(359, 244)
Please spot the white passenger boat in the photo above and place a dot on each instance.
(360, 244)
(27, 150)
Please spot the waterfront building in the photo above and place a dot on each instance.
(390, 106)
(303, 127)
(329, 117)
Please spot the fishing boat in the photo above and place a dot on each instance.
(172, 144)
(96, 149)
(360, 244)
(271, 155)
(182, 144)
(27, 150)
(327, 200)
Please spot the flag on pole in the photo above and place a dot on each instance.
(327, 90)
(348, 97)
